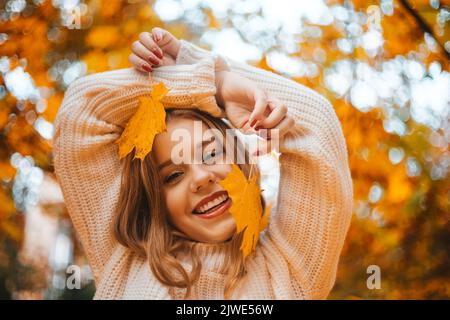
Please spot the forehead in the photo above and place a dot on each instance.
(193, 131)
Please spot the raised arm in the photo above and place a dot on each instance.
(91, 118)
(306, 233)
(314, 202)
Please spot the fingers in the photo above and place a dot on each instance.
(158, 34)
(260, 107)
(141, 51)
(276, 117)
(272, 135)
(245, 127)
(278, 131)
(166, 41)
(277, 114)
(283, 127)
(146, 39)
(158, 48)
(139, 63)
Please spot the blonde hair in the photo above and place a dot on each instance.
(141, 223)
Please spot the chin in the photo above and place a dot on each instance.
(221, 238)
(226, 236)
(219, 233)
(211, 238)
(218, 239)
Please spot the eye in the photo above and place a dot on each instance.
(210, 156)
(173, 176)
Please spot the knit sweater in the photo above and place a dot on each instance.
(297, 255)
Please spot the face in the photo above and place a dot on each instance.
(197, 204)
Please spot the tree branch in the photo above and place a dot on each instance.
(423, 25)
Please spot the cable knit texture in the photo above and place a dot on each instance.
(298, 253)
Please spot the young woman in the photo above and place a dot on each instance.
(139, 221)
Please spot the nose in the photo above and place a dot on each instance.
(201, 177)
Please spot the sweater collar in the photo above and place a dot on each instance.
(214, 256)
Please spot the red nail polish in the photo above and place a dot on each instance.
(158, 53)
(153, 61)
(146, 68)
(253, 122)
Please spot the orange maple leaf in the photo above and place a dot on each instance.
(246, 208)
(141, 129)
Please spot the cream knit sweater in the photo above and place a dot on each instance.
(298, 253)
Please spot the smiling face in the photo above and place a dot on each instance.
(197, 204)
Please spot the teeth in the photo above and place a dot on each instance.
(212, 203)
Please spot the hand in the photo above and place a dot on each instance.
(155, 49)
(252, 110)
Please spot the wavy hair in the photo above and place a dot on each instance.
(141, 222)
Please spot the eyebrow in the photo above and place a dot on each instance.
(202, 144)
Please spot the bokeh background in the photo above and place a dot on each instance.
(384, 65)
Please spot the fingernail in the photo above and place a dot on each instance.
(159, 53)
(146, 68)
(153, 61)
(158, 35)
(253, 122)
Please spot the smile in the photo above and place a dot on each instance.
(215, 210)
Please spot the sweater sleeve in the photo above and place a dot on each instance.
(314, 206)
(93, 114)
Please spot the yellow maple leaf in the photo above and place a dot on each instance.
(141, 129)
(246, 208)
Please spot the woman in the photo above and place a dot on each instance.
(138, 225)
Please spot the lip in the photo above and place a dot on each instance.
(218, 211)
(209, 198)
